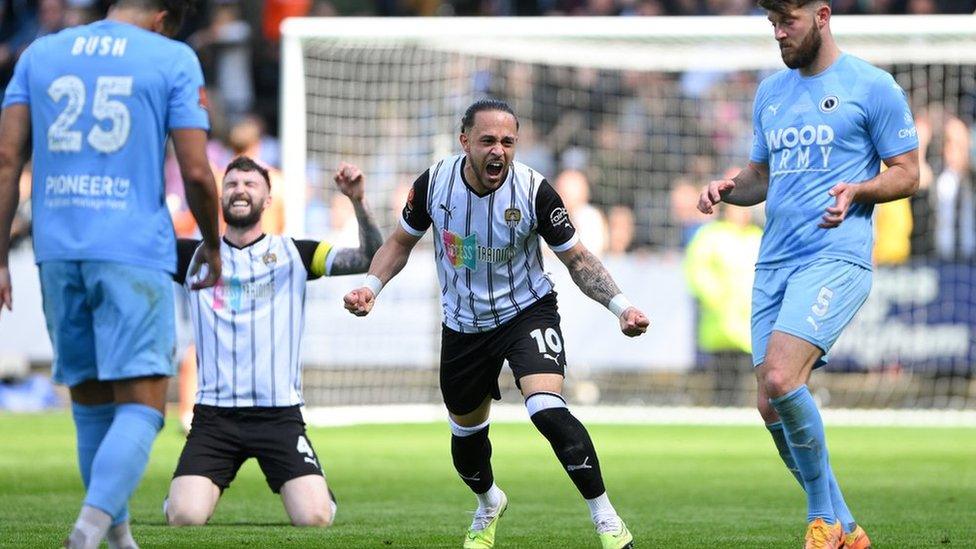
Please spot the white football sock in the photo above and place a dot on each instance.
(120, 537)
(490, 499)
(601, 509)
(89, 529)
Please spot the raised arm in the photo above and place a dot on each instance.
(15, 131)
(190, 146)
(351, 182)
(596, 283)
(387, 263)
(748, 188)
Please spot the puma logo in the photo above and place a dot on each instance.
(552, 358)
(448, 211)
(584, 465)
(473, 478)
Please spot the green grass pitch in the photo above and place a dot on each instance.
(676, 486)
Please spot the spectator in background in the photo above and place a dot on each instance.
(574, 189)
(955, 227)
(227, 40)
(719, 266)
(684, 209)
(892, 232)
(621, 228)
(245, 139)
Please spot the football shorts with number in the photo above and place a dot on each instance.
(222, 439)
(470, 363)
(813, 302)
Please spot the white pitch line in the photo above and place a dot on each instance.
(637, 415)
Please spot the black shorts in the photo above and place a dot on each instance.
(470, 363)
(222, 439)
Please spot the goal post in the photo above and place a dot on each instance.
(646, 108)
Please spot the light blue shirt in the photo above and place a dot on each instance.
(814, 132)
(102, 99)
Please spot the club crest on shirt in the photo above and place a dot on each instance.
(269, 259)
(829, 103)
(512, 217)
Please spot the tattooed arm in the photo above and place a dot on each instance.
(589, 274)
(593, 279)
(349, 179)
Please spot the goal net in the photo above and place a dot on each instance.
(644, 111)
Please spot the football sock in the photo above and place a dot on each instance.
(779, 438)
(841, 511)
(121, 458)
(569, 440)
(490, 499)
(601, 509)
(471, 451)
(805, 434)
(91, 424)
(89, 529)
(836, 498)
(120, 537)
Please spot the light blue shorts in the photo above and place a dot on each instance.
(108, 321)
(813, 302)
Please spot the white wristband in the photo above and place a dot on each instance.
(374, 284)
(619, 304)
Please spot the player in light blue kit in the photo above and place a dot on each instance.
(96, 103)
(821, 131)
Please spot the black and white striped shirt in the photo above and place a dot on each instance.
(489, 261)
(248, 328)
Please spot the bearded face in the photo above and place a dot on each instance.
(801, 53)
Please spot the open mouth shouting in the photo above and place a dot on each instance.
(494, 169)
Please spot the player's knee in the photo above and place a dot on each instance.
(186, 515)
(313, 518)
(777, 381)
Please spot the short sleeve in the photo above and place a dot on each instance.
(760, 150)
(416, 219)
(890, 120)
(554, 225)
(187, 96)
(185, 248)
(18, 91)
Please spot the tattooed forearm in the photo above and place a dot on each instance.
(356, 260)
(370, 237)
(592, 277)
(349, 261)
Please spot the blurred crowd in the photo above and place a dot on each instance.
(627, 150)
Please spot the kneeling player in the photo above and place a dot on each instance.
(248, 330)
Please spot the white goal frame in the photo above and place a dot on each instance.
(649, 43)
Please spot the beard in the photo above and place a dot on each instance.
(805, 52)
(252, 217)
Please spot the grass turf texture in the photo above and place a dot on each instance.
(676, 486)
